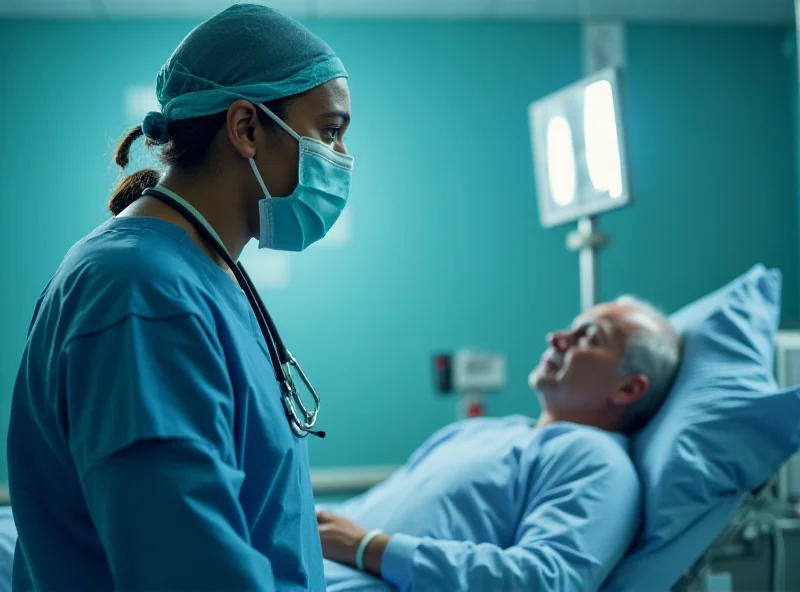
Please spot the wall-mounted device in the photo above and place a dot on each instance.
(470, 374)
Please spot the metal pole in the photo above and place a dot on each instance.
(588, 264)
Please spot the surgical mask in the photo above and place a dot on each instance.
(323, 183)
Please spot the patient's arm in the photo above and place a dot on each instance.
(581, 515)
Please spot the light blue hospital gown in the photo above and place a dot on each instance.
(496, 505)
(148, 447)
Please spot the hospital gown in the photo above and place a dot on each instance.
(148, 447)
(495, 504)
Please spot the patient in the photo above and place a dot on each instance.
(506, 504)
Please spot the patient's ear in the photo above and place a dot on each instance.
(630, 389)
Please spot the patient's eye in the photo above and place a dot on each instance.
(585, 335)
(589, 335)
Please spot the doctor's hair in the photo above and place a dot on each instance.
(657, 355)
(186, 149)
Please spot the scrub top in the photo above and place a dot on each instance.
(148, 447)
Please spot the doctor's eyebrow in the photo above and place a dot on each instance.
(343, 114)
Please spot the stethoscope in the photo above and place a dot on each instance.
(282, 360)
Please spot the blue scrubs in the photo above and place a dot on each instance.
(148, 448)
(494, 504)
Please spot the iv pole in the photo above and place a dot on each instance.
(587, 240)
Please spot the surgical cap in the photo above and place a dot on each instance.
(245, 52)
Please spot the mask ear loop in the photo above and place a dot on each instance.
(258, 177)
(280, 122)
(288, 130)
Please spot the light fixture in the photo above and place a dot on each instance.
(560, 161)
(580, 166)
(579, 149)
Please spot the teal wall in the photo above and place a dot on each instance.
(790, 50)
(447, 249)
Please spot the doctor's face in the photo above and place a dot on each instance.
(322, 113)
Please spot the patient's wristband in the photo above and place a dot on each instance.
(362, 546)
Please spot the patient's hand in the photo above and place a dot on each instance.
(339, 537)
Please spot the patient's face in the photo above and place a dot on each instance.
(578, 371)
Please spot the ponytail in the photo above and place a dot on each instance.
(131, 187)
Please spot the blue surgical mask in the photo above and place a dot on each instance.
(294, 222)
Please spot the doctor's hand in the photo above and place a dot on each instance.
(340, 539)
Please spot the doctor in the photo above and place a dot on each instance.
(156, 441)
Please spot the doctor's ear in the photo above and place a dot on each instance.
(241, 122)
(631, 389)
(244, 121)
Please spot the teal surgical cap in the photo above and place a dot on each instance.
(245, 52)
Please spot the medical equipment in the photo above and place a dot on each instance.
(471, 374)
(787, 371)
(761, 518)
(282, 360)
(579, 158)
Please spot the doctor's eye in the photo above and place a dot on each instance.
(333, 134)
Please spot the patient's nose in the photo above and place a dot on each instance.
(559, 341)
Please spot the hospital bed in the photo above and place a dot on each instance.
(708, 461)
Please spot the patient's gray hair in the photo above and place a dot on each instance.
(656, 354)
